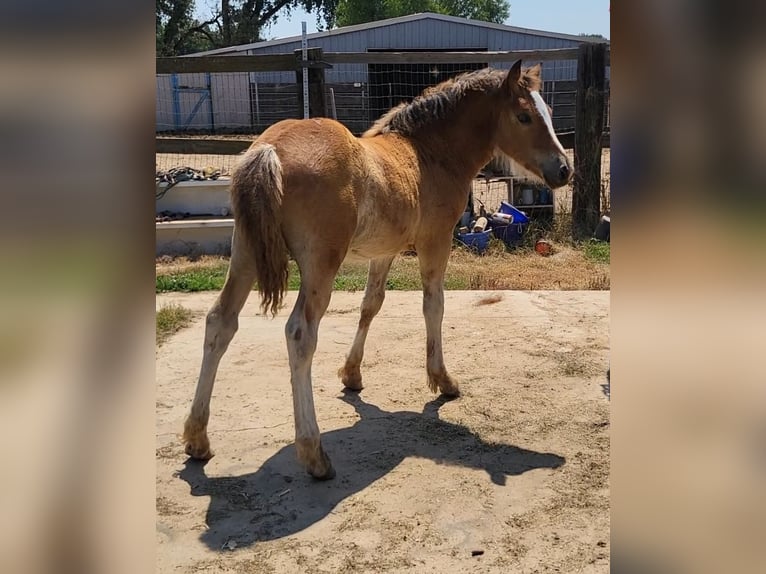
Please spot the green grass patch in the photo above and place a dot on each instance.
(597, 251)
(404, 276)
(171, 319)
(571, 268)
(203, 278)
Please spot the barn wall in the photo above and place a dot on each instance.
(423, 35)
(256, 100)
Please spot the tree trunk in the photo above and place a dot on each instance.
(226, 17)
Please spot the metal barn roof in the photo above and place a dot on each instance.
(429, 16)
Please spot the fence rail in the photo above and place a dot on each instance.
(234, 147)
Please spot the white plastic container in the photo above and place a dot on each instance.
(480, 225)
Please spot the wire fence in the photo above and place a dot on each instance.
(355, 94)
(241, 105)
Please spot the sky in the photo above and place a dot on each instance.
(564, 16)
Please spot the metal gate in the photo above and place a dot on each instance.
(188, 101)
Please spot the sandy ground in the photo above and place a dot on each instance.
(517, 468)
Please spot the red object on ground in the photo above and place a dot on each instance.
(543, 247)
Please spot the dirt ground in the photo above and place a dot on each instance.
(511, 477)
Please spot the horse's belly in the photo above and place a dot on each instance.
(380, 239)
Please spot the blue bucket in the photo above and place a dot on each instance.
(511, 234)
(476, 241)
(518, 216)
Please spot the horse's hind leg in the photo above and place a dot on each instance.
(374, 293)
(301, 334)
(433, 263)
(221, 324)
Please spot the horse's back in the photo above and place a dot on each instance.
(319, 145)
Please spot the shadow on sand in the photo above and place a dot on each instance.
(280, 499)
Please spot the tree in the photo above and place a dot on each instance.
(496, 11)
(350, 12)
(232, 22)
(249, 17)
(594, 37)
(235, 22)
(178, 32)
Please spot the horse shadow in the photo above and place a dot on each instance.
(280, 499)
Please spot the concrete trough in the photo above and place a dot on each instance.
(194, 237)
(207, 225)
(208, 197)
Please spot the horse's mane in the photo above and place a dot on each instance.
(436, 101)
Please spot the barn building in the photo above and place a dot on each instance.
(360, 93)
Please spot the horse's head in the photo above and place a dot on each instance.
(525, 130)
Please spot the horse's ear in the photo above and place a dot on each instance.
(512, 79)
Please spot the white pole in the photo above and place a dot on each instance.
(257, 105)
(332, 101)
(304, 47)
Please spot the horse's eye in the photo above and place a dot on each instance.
(524, 118)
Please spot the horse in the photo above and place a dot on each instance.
(311, 190)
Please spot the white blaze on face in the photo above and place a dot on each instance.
(542, 107)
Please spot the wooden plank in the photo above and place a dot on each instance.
(586, 196)
(448, 57)
(234, 147)
(200, 146)
(260, 63)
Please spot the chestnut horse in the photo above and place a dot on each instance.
(312, 190)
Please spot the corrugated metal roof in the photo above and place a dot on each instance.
(389, 22)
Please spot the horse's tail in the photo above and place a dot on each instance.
(256, 200)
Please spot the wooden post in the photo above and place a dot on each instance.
(589, 124)
(317, 107)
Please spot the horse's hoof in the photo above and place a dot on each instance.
(315, 459)
(445, 384)
(327, 474)
(197, 445)
(351, 379)
(199, 452)
(450, 392)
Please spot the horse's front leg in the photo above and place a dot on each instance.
(433, 263)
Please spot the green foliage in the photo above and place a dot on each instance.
(350, 12)
(594, 37)
(231, 22)
(351, 277)
(196, 279)
(598, 251)
(234, 22)
(178, 32)
(496, 11)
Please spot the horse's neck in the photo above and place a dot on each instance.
(465, 142)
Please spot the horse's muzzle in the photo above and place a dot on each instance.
(558, 172)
